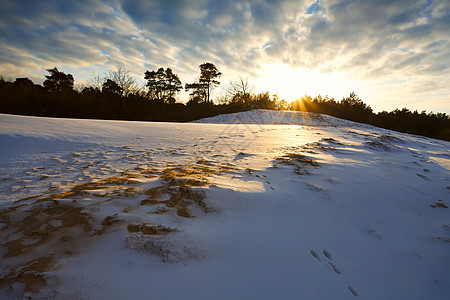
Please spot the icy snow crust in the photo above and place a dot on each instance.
(321, 208)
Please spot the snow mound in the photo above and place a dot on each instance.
(263, 116)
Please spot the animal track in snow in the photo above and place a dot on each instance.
(315, 255)
(327, 254)
(271, 187)
(352, 290)
(328, 260)
(422, 176)
(335, 269)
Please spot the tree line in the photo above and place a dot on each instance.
(436, 125)
(117, 96)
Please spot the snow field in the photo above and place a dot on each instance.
(316, 208)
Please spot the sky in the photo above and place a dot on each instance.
(393, 54)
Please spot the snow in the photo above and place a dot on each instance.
(262, 116)
(260, 204)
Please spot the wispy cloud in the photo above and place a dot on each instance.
(399, 43)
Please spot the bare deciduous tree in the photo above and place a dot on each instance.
(124, 80)
(121, 77)
(239, 91)
(239, 86)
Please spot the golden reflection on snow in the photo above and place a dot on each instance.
(238, 185)
(443, 162)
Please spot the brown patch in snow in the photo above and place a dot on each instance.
(439, 204)
(149, 229)
(39, 230)
(300, 162)
(32, 232)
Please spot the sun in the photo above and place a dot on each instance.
(293, 83)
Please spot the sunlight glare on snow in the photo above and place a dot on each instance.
(443, 162)
(238, 185)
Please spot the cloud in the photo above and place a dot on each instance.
(373, 40)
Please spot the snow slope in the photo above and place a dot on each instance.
(228, 207)
(262, 116)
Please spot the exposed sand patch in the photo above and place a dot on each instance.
(439, 204)
(37, 235)
(149, 229)
(41, 229)
(300, 162)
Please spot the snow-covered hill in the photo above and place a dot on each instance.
(321, 208)
(284, 117)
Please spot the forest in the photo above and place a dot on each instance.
(117, 96)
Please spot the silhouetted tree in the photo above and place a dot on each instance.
(163, 85)
(208, 75)
(23, 83)
(355, 109)
(354, 102)
(59, 82)
(111, 87)
(90, 90)
(263, 101)
(198, 92)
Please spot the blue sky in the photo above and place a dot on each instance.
(393, 54)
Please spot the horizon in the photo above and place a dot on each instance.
(392, 54)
